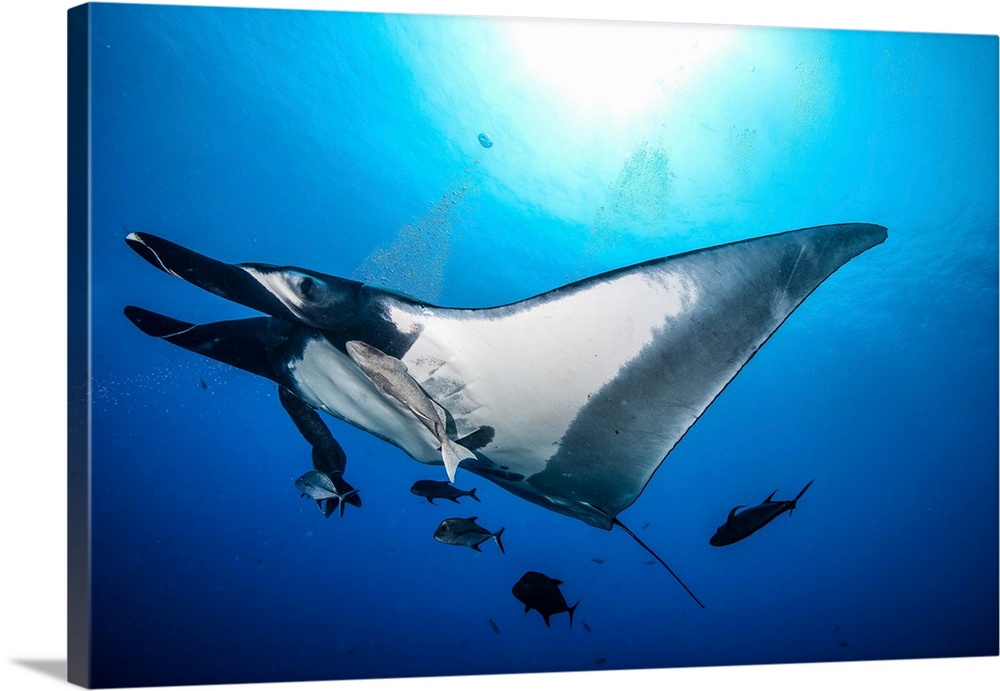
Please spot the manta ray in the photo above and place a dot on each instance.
(570, 399)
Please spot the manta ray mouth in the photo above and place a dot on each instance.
(229, 281)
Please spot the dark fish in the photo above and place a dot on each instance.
(440, 489)
(465, 532)
(843, 644)
(586, 626)
(541, 593)
(493, 625)
(645, 525)
(747, 522)
(597, 560)
(600, 660)
(202, 384)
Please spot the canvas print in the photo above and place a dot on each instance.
(415, 345)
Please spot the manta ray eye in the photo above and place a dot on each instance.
(306, 286)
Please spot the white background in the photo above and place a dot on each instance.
(33, 334)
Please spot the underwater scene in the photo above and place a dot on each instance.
(341, 259)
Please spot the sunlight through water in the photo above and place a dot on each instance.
(619, 68)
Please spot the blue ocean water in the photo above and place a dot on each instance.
(356, 145)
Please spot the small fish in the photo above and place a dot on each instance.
(586, 626)
(202, 384)
(843, 644)
(391, 377)
(316, 485)
(649, 563)
(321, 488)
(645, 525)
(493, 625)
(597, 560)
(440, 489)
(541, 593)
(600, 660)
(466, 532)
(745, 523)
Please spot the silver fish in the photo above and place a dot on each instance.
(319, 487)
(466, 532)
(391, 377)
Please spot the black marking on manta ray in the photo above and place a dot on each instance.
(491, 472)
(478, 439)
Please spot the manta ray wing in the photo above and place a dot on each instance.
(590, 386)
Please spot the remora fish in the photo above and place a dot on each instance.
(392, 378)
(466, 532)
(540, 593)
(319, 487)
(745, 523)
(439, 489)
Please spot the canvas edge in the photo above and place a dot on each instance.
(78, 344)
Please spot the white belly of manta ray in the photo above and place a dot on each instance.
(486, 373)
(329, 380)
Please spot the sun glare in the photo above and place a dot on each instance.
(617, 67)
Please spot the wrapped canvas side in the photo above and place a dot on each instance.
(78, 346)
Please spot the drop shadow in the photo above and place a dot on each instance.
(57, 669)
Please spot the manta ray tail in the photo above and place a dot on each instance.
(453, 453)
(657, 557)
